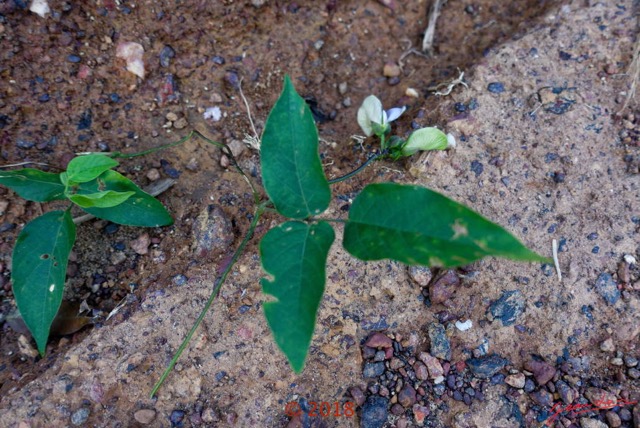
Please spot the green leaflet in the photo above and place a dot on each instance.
(85, 168)
(295, 255)
(39, 267)
(33, 184)
(140, 209)
(291, 168)
(418, 226)
(106, 199)
(425, 139)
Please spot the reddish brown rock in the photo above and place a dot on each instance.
(357, 395)
(444, 287)
(421, 371)
(378, 340)
(407, 396)
(542, 371)
(420, 413)
(601, 398)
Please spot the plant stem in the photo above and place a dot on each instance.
(216, 287)
(190, 135)
(330, 220)
(372, 158)
(155, 149)
(234, 162)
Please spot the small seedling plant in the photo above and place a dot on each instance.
(406, 223)
(41, 252)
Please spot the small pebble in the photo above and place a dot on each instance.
(80, 416)
(600, 398)
(391, 69)
(508, 307)
(625, 414)
(111, 228)
(179, 279)
(379, 340)
(421, 371)
(153, 174)
(567, 394)
(496, 379)
(542, 397)
(74, 58)
(374, 412)
(180, 123)
(515, 380)
(607, 288)
(420, 274)
(487, 366)
(613, 419)
(607, 345)
(22, 144)
(440, 346)
(495, 87)
(141, 244)
(357, 395)
(410, 92)
(420, 413)
(407, 396)
(144, 416)
(617, 362)
(393, 81)
(176, 417)
(373, 370)
(542, 371)
(166, 54)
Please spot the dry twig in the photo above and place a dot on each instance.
(430, 32)
(252, 141)
(634, 71)
(449, 85)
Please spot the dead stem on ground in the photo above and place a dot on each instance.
(430, 32)
(252, 141)
(634, 72)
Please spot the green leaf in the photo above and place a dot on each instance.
(34, 185)
(86, 168)
(39, 267)
(105, 199)
(140, 209)
(291, 168)
(425, 139)
(295, 254)
(418, 226)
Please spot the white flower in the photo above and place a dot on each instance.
(428, 139)
(373, 119)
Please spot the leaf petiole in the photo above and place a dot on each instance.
(356, 171)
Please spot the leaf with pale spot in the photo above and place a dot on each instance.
(38, 270)
(137, 209)
(418, 226)
(295, 254)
